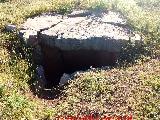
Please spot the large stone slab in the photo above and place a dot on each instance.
(94, 31)
(67, 43)
(79, 30)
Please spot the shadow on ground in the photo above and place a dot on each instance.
(130, 53)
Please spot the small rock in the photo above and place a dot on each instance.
(41, 82)
(40, 72)
(30, 37)
(80, 13)
(76, 73)
(10, 28)
(64, 79)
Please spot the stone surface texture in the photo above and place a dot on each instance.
(95, 30)
(74, 42)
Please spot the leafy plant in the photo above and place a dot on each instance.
(1, 91)
(3, 1)
(64, 7)
(98, 5)
(16, 107)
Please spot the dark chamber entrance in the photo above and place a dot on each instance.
(56, 62)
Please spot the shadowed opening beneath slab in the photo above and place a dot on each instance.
(57, 62)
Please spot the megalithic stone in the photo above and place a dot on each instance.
(78, 40)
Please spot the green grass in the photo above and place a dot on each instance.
(90, 91)
(98, 90)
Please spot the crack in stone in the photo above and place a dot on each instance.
(41, 30)
(76, 43)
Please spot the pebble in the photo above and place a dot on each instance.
(10, 28)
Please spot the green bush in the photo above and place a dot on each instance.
(16, 107)
(3, 1)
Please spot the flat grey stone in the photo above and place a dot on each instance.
(41, 22)
(88, 30)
